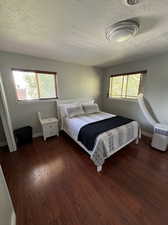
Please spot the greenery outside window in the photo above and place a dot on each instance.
(35, 85)
(126, 86)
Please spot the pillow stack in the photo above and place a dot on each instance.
(91, 108)
(75, 111)
(79, 110)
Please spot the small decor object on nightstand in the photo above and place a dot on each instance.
(49, 126)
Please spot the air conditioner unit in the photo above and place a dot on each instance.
(160, 137)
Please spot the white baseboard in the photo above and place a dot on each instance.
(37, 135)
(4, 143)
(147, 134)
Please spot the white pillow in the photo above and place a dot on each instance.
(75, 111)
(90, 108)
(63, 109)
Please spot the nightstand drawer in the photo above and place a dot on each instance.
(50, 130)
(51, 126)
(53, 132)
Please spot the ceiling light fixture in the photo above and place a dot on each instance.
(122, 31)
(131, 2)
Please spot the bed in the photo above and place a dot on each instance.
(107, 142)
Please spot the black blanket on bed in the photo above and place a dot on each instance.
(88, 133)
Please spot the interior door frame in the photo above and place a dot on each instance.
(6, 118)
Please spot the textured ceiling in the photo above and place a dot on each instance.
(73, 30)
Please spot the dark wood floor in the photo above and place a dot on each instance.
(55, 183)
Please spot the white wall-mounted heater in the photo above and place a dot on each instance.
(160, 135)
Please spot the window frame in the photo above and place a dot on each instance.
(37, 81)
(142, 72)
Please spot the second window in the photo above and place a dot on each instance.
(126, 86)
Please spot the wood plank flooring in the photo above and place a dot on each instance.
(55, 183)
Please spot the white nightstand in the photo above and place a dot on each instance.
(49, 126)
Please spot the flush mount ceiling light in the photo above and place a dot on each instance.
(122, 31)
(131, 2)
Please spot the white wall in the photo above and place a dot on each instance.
(155, 90)
(7, 214)
(74, 81)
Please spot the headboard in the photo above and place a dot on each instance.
(71, 101)
(74, 100)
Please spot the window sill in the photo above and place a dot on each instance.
(36, 101)
(123, 99)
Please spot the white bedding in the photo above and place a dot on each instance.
(73, 125)
(106, 143)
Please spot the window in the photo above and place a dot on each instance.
(32, 85)
(126, 86)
